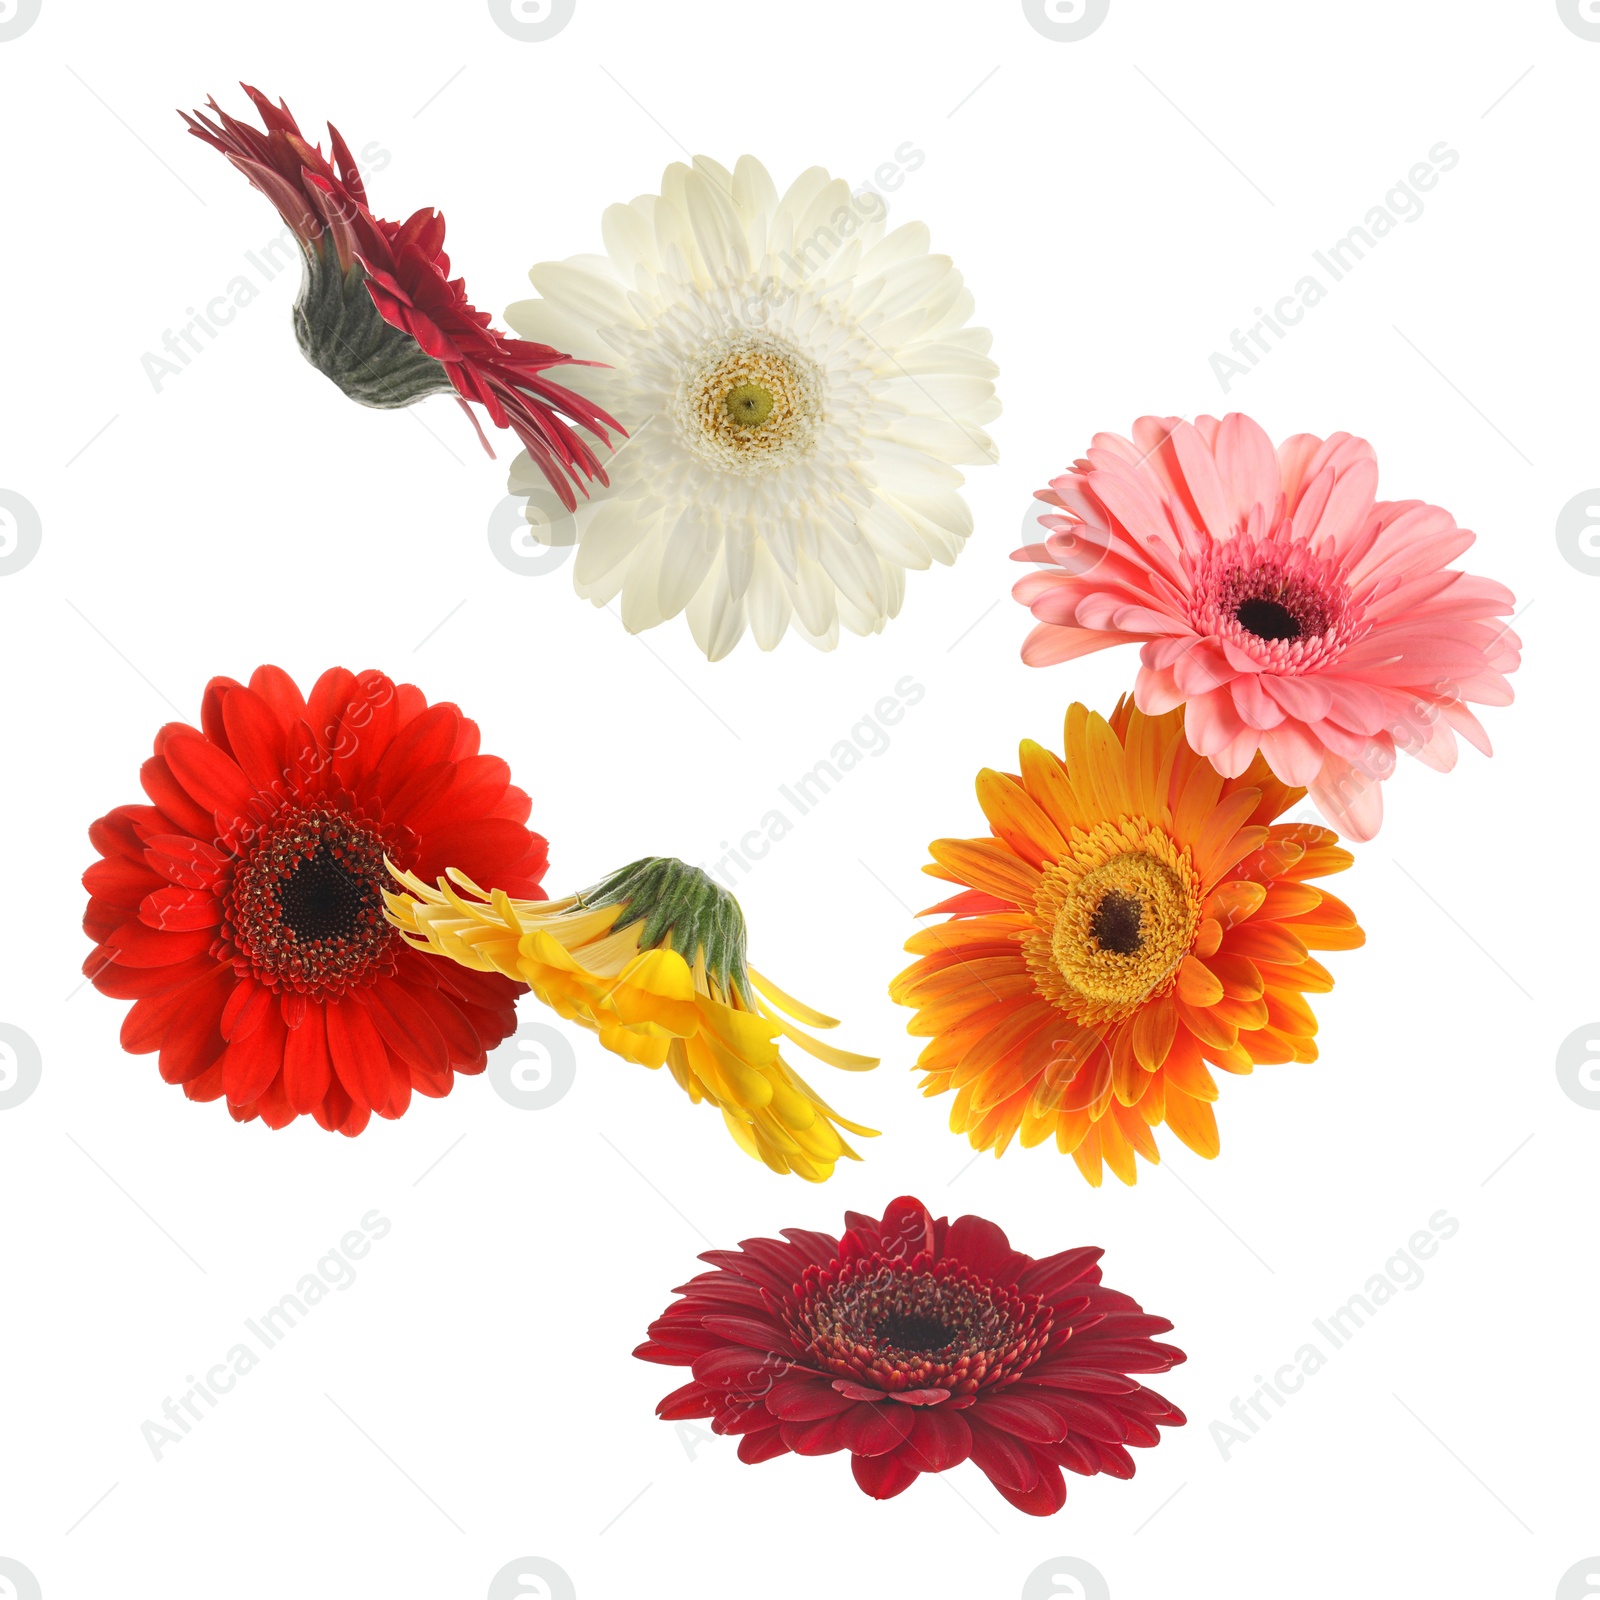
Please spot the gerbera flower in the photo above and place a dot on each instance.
(378, 311)
(1133, 917)
(242, 908)
(799, 386)
(1285, 607)
(916, 1345)
(653, 960)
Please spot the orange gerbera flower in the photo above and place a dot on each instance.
(1134, 917)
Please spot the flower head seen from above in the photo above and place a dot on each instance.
(379, 313)
(241, 909)
(917, 1345)
(1290, 611)
(1133, 917)
(799, 386)
(653, 960)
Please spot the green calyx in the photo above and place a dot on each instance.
(682, 909)
(341, 334)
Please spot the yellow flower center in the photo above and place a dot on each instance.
(749, 404)
(1113, 920)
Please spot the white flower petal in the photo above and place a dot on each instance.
(583, 286)
(767, 601)
(715, 618)
(630, 235)
(691, 549)
(613, 533)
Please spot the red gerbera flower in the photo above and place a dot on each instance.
(917, 1344)
(380, 314)
(242, 909)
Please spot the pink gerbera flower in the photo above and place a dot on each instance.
(1284, 606)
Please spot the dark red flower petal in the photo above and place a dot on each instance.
(763, 1446)
(807, 1399)
(1044, 1496)
(940, 1439)
(873, 1430)
(883, 1477)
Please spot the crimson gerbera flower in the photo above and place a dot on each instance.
(917, 1344)
(378, 311)
(242, 909)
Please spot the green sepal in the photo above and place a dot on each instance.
(342, 335)
(682, 909)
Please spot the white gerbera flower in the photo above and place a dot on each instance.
(798, 386)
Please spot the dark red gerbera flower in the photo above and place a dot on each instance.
(242, 909)
(380, 314)
(916, 1345)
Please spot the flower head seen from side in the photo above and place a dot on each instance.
(653, 960)
(1133, 919)
(799, 385)
(379, 313)
(1286, 608)
(241, 908)
(916, 1345)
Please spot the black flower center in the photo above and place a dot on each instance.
(305, 911)
(1266, 619)
(322, 899)
(1116, 924)
(913, 1333)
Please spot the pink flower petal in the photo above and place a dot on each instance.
(1293, 752)
(1351, 801)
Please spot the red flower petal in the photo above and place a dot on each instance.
(874, 1430)
(940, 1439)
(194, 1041)
(307, 1068)
(805, 1399)
(210, 778)
(121, 882)
(883, 1477)
(176, 910)
(356, 1049)
(137, 945)
(1042, 1498)
(253, 1062)
(256, 737)
(1005, 1461)
(762, 1446)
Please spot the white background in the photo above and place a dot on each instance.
(472, 1398)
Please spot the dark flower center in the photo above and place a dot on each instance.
(323, 899)
(1117, 923)
(897, 1324)
(1267, 619)
(913, 1333)
(306, 908)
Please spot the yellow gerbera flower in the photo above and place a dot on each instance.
(653, 960)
